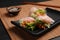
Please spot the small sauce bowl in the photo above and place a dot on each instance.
(13, 11)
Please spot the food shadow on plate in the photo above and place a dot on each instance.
(23, 34)
(7, 3)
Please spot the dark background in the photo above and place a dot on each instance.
(5, 3)
(3, 33)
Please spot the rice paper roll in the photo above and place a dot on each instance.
(28, 23)
(40, 15)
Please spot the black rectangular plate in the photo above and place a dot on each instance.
(54, 14)
(3, 33)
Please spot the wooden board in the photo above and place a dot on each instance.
(16, 33)
(51, 2)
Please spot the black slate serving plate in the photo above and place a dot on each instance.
(54, 14)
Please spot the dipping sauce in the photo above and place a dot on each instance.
(13, 11)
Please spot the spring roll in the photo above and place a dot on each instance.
(27, 23)
(40, 14)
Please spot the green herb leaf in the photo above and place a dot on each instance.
(41, 11)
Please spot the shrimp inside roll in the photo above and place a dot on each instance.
(28, 23)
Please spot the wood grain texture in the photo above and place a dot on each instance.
(51, 2)
(17, 34)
